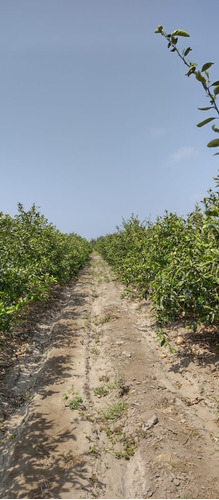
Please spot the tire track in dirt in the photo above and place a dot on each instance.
(101, 359)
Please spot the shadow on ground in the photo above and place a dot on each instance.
(201, 348)
(37, 459)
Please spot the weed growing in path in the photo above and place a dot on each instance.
(115, 411)
(74, 403)
(102, 320)
(101, 391)
(93, 450)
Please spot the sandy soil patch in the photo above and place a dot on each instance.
(93, 407)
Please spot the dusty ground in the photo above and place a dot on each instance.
(92, 407)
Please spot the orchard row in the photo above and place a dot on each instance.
(174, 261)
(34, 256)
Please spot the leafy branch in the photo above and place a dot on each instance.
(211, 89)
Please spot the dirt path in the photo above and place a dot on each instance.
(103, 411)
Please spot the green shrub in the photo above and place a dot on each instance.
(34, 255)
(173, 261)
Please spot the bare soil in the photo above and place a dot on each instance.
(93, 407)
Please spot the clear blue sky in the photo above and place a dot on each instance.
(97, 120)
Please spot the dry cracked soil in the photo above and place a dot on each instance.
(93, 407)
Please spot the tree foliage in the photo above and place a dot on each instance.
(201, 75)
(34, 255)
(173, 262)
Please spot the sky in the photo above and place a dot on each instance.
(97, 118)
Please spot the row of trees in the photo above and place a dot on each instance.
(34, 256)
(173, 261)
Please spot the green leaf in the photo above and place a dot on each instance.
(206, 66)
(187, 51)
(200, 78)
(205, 122)
(191, 69)
(206, 109)
(213, 144)
(216, 90)
(180, 33)
(174, 40)
(215, 84)
(159, 29)
(215, 129)
(213, 212)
